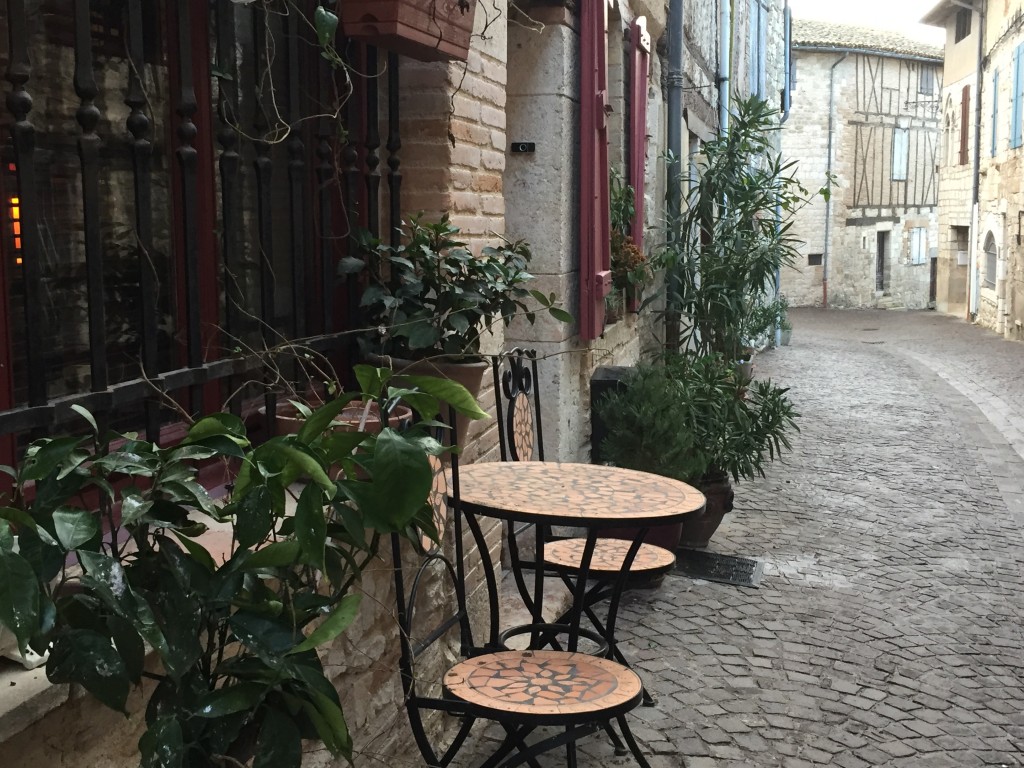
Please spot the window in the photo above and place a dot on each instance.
(991, 261)
(918, 245)
(965, 122)
(900, 153)
(814, 259)
(959, 237)
(926, 80)
(1017, 96)
(963, 24)
(995, 112)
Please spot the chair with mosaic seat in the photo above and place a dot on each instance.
(524, 691)
(521, 438)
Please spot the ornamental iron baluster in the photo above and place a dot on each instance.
(23, 137)
(142, 157)
(88, 116)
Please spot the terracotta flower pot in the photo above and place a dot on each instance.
(288, 420)
(469, 375)
(700, 527)
(429, 30)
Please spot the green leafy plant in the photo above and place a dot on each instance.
(432, 296)
(724, 251)
(692, 418)
(111, 566)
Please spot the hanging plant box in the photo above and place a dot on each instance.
(429, 30)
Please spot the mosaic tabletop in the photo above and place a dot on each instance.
(590, 495)
(558, 684)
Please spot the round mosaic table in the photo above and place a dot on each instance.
(588, 495)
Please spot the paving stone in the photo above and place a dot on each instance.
(886, 628)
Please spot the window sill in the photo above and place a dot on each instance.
(26, 696)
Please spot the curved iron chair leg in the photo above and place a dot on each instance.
(572, 733)
(620, 748)
(631, 741)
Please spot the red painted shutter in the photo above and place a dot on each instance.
(595, 216)
(639, 71)
(640, 64)
(965, 123)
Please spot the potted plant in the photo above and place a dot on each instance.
(113, 567)
(429, 30)
(630, 267)
(724, 251)
(428, 301)
(686, 417)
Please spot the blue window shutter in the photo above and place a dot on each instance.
(995, 111)
(1015, 126)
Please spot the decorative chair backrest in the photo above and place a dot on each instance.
(520, 435)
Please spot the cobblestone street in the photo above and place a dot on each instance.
(887, 630)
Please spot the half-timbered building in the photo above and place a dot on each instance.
(865, 116)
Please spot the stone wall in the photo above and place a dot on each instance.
(542, 206)
(874, 97)
(1000, 304)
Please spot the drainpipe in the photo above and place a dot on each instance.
(725, 66)
(787, 103)
(674, 128)
(828, 204)
(972, 299)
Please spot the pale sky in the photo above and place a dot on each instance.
(899, 15)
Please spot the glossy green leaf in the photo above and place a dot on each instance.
(89, 659)
(320, 419)
(19, 597)
(336, 622)
(326, 24)
(230, 699)
(49, 457)
(450, 392)
(333, 729)
(218, 424)
(311, 525)
(133, 506)
(198, 552)
(372, 380)
(305, 464)
(19, 517)
(129, 646)
(402, 479)
(75, 527)
(275, 555)
(279, 744)
(162, 745)
(265, 637)
(254, 517)
(82, 411)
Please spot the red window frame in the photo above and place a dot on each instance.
(640, 67)
(595, 215)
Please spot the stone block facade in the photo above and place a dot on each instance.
(872, 243)
(981, 265)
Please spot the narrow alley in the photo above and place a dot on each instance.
(887, 629)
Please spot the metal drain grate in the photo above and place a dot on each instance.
(725, 569)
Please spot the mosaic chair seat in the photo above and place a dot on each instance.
(567, 694)
(521, 438)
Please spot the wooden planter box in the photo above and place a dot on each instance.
(429, 30)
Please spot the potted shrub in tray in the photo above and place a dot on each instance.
(428, 301)
(429, 30)
(688, 418)
(113, 566)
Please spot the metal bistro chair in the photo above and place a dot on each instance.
(521, 438)
(521, 690)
